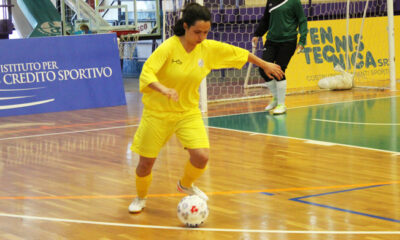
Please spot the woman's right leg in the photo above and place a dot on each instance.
(143, 181)
(144, 176)
(149, 138)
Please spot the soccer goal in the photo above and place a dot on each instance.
(349, 35)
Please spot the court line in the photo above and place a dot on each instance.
(314, 105)
(356, 123)
(68, 132)
(298, 199)
(182, 228)
(302, 139)
(195, 229)
(208, 193)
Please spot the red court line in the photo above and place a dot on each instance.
(209, 193)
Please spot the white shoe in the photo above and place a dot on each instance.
(271, 105)
(137, 205)
(192, 191)
(280, 109)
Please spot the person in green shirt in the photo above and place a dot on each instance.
(170, 81)
(282, 21)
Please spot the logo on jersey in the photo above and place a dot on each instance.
(201, 63)
(177, 61)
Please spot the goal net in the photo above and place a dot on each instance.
(363, 28)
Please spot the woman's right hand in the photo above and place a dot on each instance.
(171, 93)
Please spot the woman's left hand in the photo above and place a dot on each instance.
(273, 70)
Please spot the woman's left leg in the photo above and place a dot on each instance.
(192, 134)
(194, 168)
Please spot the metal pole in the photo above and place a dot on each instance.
(63, 26)
(9, 9)
(135, 13)
(120, 13)
(158, 12)
(203, 85)
(392, 66)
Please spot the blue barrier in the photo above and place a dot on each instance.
(53, 74)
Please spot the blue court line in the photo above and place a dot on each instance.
(298, 199)
(267, 193)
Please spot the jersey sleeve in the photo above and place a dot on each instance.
(223, 55)
(152, 65)
(263, 26)
(302, 23)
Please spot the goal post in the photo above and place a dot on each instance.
(203, 85)
(392, 49)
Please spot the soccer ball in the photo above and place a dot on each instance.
(192, 211)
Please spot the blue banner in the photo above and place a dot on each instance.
(53, 74)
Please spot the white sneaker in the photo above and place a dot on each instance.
(280, 109)
(192, 191)
(271, 105)
(137, 205)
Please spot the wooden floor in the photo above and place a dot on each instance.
(70, 175)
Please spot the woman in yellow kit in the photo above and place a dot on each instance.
(169, 81)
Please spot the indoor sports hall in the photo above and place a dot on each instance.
(327, 169)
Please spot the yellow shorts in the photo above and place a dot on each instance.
(156, 129)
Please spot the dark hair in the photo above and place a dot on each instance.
(191, 13)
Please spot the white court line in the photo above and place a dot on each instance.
(320, 143)
(70, 132)
(253, 134)
(314, 105)
(194, 229)
(226, 129)
(356, 123)
(304, 139)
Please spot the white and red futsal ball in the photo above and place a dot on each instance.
(192, 211)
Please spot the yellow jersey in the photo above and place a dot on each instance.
(171, 65)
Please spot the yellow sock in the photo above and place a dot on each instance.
(142, 185)
(191, 173)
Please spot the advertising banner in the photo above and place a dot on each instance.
(52, 74)
(326, 47)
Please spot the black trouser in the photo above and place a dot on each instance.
(279, 53)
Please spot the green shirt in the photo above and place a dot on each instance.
(283, 20)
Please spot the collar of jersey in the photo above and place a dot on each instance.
(280, 4)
